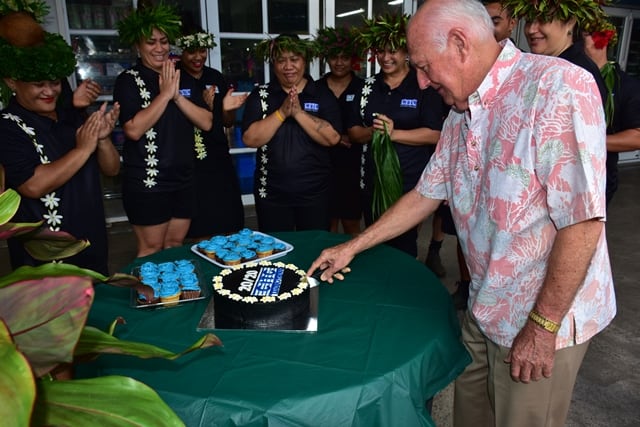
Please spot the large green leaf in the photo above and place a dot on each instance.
(45, 318)
(47, 245)
(111, 401)
(9, 203)
(17, 387)
(94, 341)
(12, 229)
(49, 270)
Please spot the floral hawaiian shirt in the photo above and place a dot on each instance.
(526, 159)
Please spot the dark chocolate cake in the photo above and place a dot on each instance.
(261, 295)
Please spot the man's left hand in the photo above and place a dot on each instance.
(532, 354)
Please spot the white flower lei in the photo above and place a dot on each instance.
(198, 40)
(151, 147)
(50, 201)
(364, 100)
(263, 158)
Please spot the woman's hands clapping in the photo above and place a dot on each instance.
(169, 81)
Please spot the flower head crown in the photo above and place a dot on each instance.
(140, 23)
(196, 41)
(603, 32)
(270, 48)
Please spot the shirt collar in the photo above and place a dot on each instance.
(498, 74)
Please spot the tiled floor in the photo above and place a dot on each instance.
(608, 388)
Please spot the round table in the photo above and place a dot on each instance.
(387, 341)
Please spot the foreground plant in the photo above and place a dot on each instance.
(43, 314)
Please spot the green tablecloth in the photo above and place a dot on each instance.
(387, 340)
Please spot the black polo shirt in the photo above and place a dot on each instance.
(348, 98)
(80, 208)
(410, 108)
(626, 115)
(174, 138)
(292, 168)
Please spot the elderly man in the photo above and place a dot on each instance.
(521, 161)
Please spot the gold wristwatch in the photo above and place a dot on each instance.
(543, 322)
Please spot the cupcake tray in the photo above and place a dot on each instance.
(288, 248)
(204, 292)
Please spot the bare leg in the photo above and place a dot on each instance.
(150, 238)
(333, 227)
(351, 226)
(176, 232)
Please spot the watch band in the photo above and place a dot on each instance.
(543, 322)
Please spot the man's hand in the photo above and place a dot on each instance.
(532, 354)
(332, 260)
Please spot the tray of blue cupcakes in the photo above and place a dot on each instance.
(240, 248)
(168, 284)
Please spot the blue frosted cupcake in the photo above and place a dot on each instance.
(248, 255)
(232, 258)
(170, 293)
(190, 287)
(264, 250)
(279, 247)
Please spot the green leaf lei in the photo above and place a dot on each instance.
(36, 8)
(584, 11)
(140, 23)
(384, 31)
(387, 184)
(270, 48)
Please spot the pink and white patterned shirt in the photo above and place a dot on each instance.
(526, 159)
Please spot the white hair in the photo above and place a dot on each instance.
(470, 13)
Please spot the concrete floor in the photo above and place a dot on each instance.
(607, 393)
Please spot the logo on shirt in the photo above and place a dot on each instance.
(186, 93)
(311, 106)
(409, 103)
(350, 97)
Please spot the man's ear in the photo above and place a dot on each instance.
(459, 42)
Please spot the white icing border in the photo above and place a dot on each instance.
(218, 286)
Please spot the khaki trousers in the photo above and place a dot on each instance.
(486, 396)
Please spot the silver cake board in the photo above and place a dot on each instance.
(208, 319)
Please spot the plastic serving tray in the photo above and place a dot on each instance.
(288, 248)
(204, 292)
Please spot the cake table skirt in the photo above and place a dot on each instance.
(387, 341)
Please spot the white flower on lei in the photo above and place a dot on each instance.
(151, 147)
(262, 192)
(152, 172)
(151, 160)
(151, 134)
(263, 181)
(263, 93)
(145, 94)
(11, 117)
(50, 200)
(149, 182)
(53, 218)
(366, 90)
(264, 104)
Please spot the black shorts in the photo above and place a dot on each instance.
(155, 208)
